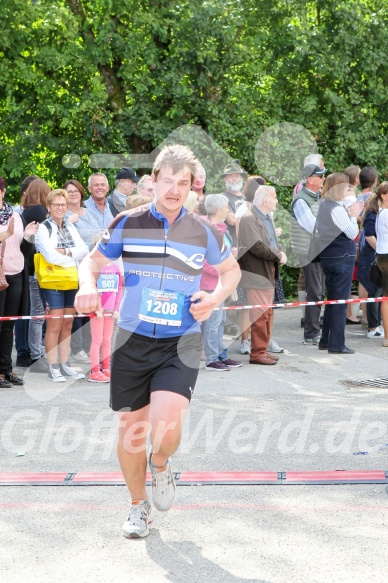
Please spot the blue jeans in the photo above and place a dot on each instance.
(53, 299)
(213, 334)
(338, 275)
(35, 332)
(21, 338)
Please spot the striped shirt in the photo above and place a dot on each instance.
(99, 221)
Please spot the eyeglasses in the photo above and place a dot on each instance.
(73, 192)
(57, 205)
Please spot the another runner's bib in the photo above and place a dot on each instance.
(161, 307)
(108, 282)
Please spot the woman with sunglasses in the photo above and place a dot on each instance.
(60, 244)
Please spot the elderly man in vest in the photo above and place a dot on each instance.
(304, 211)
(259, 259)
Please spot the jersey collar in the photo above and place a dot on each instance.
(161, 217)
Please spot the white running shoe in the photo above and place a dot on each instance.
(273, 346)
(140, 516)
(245, 347)
(70, 373)
(163, 486)
(55, 374)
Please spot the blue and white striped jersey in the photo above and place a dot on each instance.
(161, 257)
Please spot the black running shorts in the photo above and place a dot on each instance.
(141, 365)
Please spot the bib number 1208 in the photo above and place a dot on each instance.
(162, 308)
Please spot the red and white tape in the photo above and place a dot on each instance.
(298, 304)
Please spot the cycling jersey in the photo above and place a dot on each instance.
(162, 268)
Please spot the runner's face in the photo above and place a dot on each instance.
(171, 190)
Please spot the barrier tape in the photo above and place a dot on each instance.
(298, 304)
(252, 307)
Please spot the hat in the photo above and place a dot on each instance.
(312, 170)
(127, 173)
(233, 168)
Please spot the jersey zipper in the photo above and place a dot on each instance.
(163, 266)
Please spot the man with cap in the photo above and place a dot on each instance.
(304, 211)
(126, 181)
(233, 176)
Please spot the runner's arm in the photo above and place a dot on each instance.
(88, 299)
(203, 302)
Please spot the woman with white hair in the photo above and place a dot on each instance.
(216, 353)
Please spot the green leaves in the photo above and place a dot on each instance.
(108, 76)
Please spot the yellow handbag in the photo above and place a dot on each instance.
(51, 276)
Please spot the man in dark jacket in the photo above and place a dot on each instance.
(259, 258)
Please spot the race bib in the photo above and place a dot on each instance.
(161, 307)
(108, 282)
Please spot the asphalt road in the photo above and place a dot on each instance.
(306, 413)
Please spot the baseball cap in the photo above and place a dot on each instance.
(312, 170)
(127, 173)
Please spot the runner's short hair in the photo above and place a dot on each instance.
(176, 157)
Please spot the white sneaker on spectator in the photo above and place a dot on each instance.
(377, 333)
(55, 374)
(70, 373)
(273, 346)
(80, 356)
(245, 347)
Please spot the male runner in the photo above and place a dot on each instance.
(157, 351)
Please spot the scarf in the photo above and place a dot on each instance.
(119, 200)
(6, 213)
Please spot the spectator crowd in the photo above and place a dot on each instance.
(339, 234)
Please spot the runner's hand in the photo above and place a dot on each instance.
(202, 306)
(87, 300)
